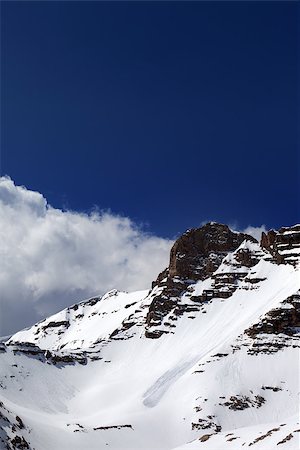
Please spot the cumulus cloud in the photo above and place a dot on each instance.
(52, 258)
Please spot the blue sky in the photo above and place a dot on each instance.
(170, 113)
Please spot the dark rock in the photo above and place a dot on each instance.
(2, 347)
(20, 422)
(205, 424)
(155, 334)
(287, 438)
(276, 242)
(241, 402)
(246, 258)
(194, 256)
(19, 443)
(64, 323)
(113, 427)
(271, 388)
(201, 247)
(264, 436)
(280, 320)
(205, 437)
(268, 239)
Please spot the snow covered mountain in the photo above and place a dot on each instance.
(208, 358)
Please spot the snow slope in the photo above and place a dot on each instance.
(218, 370)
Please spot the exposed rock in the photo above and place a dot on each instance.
(246, 258)
(2, 347)
(63, 323)
(20, 422)
(65, 358)
(19, 443)
(112, 427)
(199, 251)
(205, 437)
(271, 388)
(283, 245)
(11, 428)
(287, 438)
(205, 424)
(264, 436)
(194, 256)
(240, 402)
(284, 320)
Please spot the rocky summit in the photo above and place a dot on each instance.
(207, 358)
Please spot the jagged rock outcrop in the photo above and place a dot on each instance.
(194, 256)
(282, 320)
(11, 431)
(283, 245)
(199, 251)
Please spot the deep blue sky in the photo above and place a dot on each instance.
(168, 112)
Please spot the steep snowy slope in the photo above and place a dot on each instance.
(206, 359)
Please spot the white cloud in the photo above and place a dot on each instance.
(255, 231)
(50, 258)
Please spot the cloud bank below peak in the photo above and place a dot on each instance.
(52, 258)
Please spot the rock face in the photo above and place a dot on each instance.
(194, 256)
(281, 320)
(199, 251)
(283, 245)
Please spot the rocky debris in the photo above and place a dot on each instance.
(62, 323)
(61, 359)
(20, 422)
(194, 256)
(130, 304)
(283, 245)
(264, 436)
(205, 424)
(28, 349)
(254, 280)
(19, 443)
(205, 437)
(113, 427)
(219, 355)
(271, 388)
(77, 427)
(127, 323)
(11, 429)
(2, 347)
(287, 438)
(233, 438)
(240, 402)
(91, 302)
(246, 258)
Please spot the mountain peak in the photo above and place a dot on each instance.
(194, 257)
(197, 243)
